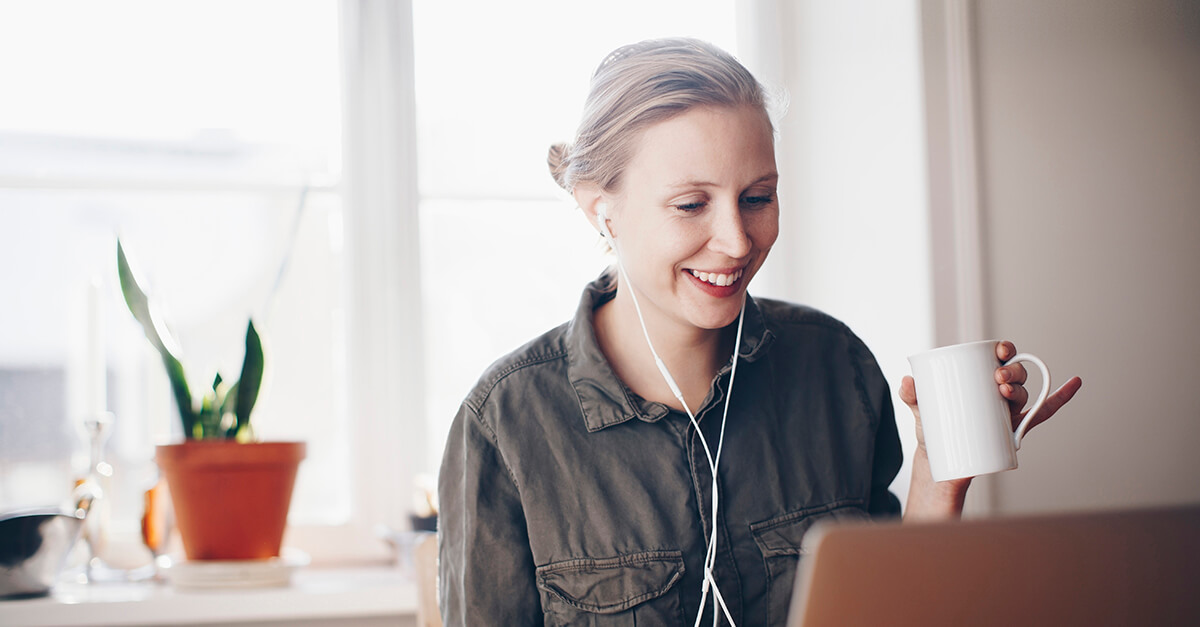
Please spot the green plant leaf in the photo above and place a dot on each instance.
(228, 407)
(179, 387)
(228, 403)
(139, 306)
(251, 379)
(208, 416)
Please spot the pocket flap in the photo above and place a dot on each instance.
(612, 584)
(785, 535)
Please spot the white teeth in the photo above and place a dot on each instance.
(720, 280)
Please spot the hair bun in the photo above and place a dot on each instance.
(558, 158)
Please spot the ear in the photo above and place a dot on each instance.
(590, 198)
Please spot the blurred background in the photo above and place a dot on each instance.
(367, 179)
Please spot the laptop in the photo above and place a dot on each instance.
(1107, 568)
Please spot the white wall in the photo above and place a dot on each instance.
(1089, 167)
(1084, 124)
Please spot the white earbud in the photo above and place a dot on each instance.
(602, 221)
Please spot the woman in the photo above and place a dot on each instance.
(578, 482)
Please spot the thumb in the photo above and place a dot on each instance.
(908, 392)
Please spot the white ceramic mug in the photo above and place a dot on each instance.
(968, 430)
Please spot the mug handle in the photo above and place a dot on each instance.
(1019, 434)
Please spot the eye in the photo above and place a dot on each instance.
(691, 207)
(758, 201)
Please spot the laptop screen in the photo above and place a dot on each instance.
(1106, 568)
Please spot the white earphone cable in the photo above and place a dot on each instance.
(710, 556)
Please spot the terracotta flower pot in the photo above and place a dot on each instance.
(231, 500)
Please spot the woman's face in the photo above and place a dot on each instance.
(697, 213)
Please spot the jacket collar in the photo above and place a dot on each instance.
(603, 399)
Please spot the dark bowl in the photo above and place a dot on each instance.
(34, 546)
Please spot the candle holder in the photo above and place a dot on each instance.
(99, 484)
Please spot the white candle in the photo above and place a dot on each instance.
(95, 365)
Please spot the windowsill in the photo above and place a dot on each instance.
(336, 595)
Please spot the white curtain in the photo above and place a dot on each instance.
(385, 395)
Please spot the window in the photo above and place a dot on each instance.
(211, 146)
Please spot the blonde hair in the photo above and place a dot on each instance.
(639, 85)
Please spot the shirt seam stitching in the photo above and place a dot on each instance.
(508, 370)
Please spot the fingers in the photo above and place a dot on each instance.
(1016, 395)
(1055, 401)
(1012, 373)
(1011, 379)
(908, 392)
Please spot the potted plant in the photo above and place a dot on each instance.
(230, 492)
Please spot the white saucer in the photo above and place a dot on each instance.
(264, 573)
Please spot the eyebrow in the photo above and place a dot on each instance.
(773, 176)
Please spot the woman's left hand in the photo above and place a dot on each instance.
(928, 499)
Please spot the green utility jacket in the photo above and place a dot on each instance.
(567, 499)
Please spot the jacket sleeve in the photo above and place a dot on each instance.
(888, 459)
(888, 454)
(485, 567)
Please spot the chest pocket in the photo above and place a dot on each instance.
(634, 589)
(781, 541)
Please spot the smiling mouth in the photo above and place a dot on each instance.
(718, 279)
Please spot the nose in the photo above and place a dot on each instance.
(728, 235)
